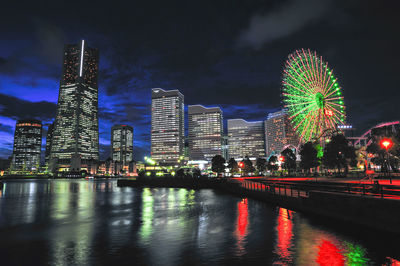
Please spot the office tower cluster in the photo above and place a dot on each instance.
(72, 140)
(206, 137)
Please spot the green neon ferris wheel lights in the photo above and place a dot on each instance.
(311, 95)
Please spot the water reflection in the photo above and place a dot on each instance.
(76, 222)
(241, 226)
(284, 230)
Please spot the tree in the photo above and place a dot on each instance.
(218, 164)
(248, 165)
(180, 173)
(338, 153)
(272, 163)
(308, 156)
(261, 165)
(233, 166)
(380, 154)
(196, 172)
(289, 162)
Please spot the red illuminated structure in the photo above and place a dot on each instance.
(386, 143)
(328, 112)
(241, 165)
(281, 159)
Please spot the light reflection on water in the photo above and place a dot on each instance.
(79, 222)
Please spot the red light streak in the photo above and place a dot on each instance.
(242, 218)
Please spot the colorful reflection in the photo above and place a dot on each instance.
(241, 225)
(393, 262)
(355, 255)
(285, 234)
(329, 254)
(147, 214)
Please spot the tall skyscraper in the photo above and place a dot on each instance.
(49, 140)
(167, 126)
(205, 132)
(122, 144)
(245, 139)
(279, 133)
(76, 133)
(27, 145)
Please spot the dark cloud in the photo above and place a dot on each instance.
(282, 21)
(50, 41)
(6, 128)
(20, 109)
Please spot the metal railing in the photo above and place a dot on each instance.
(301, 190)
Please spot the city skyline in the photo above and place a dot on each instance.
(219, 56)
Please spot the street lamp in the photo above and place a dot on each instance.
(386, 144)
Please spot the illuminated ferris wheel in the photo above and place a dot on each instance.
(311, 95)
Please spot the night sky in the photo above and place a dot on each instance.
(217, 53)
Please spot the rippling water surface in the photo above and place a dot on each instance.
(78, 222)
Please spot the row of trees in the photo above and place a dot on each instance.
(337, 154)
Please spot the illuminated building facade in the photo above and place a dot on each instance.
(245, 139)
(27, 145)
(279, 133)
(49, 139)
(167, 126)
(205, 132)
(76, 133)
(122, 144)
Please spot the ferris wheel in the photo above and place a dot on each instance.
(311, 95)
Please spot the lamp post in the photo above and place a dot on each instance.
(386, 144)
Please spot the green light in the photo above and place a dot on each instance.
(355, 255)
(319, 98)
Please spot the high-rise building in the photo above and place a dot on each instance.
(122, 144)
(205, 132)
(76, 133)
(245, 139)
(27, 145)
(49, 140)
(279, 133)
(167, 126)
